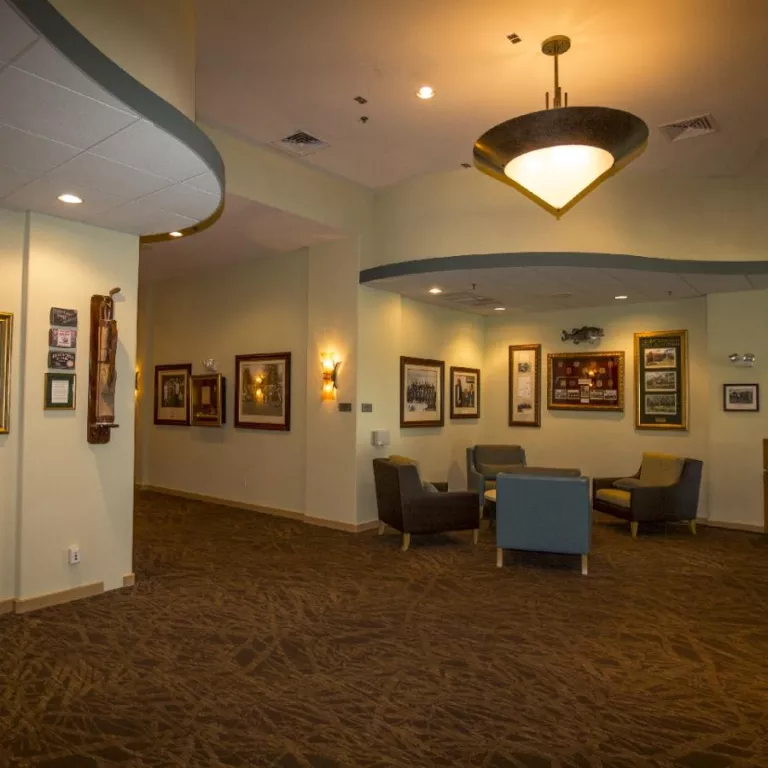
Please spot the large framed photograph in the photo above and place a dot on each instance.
(209, 400)
(263, 397)
(60, 392)
(422, 383)
(661, 372)
(525, 385)
(6, 339)
(741, 397)
(465, 393)
(172, 394)
(585, 381)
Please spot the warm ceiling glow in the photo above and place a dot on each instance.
(73, 199)
(425, 92)
(435, 290)
(619, 297)
(499, 309)
(175, 234)
(558, 174)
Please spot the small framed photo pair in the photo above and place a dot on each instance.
(465, 393)
(172, 394)
(422, 383)
(525, 385)
(263, 395)
(741, 397)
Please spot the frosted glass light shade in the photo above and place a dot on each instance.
(558, 174)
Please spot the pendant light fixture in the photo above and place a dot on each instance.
(557, 156)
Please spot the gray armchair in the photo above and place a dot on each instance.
(405, 504)
(485, 462)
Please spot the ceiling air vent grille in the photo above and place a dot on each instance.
(469, 299)
(690, 128)
(300, 144)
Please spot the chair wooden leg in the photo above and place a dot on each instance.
(382, 527)
(633, 529)
(692, 526)
(406, 541)
(499, 557)
(475, 536)
(584, 561)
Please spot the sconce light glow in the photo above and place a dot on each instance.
(72, 199)
(175, 234)
(435, 290)
(499, 309)
(425, 92)
(619, 298)
(330, 375)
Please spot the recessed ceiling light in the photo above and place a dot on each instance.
(73, 199)
(175, 234)
(499, 309)
(619, 297)
(425, 92)
(435, 290)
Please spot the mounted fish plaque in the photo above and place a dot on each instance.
(588, 334)
(102, 373)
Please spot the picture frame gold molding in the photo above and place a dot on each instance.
(6, 347)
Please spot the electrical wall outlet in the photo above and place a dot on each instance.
(74, 555)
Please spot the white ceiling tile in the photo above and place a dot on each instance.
(207, 182)
(145, 146)
(25, 151)
(44, 60)
(717, 283)
(184, 200)
(41, 107)
(15, 33)
(758, 281)
(12, 179)
(142, 218)
(98, 173)
(654, 285)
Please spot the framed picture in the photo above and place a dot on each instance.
(422, 383)
(465, 393)
(62, 338)
(6, 339)
(263, 397)
(585, 381)
(209, 400)
(60, 392)
(172, 394)
(741, 397)
(661, 374)
(61, 361)
(64, 317)
(525, 385)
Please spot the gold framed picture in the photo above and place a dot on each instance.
(6, 342)
(525, 385)
(585, 381)
(209, 400)
(60, 392)
(661, 380)
(263, 391)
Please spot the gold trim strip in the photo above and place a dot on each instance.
(6, 606)
(743, 527)
(6, 345)
(129, 579)
(27, 604)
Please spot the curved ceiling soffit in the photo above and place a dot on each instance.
(75, 47)
(558, 259)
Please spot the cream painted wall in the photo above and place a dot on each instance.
(153, 41)
(391, 326)
(12, 238)
(737, 322)
(600, 444)
(73, 493)
(258, 306)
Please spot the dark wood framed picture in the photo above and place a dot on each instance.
(209, 400)
(661, 380)
(525, 385)
(585, 381)
(60, 392)
(741, 397)
(422, 383)
(263, 393)
(172, 394)
(465, 393)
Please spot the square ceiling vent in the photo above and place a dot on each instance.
(690, 128)
(300, 144)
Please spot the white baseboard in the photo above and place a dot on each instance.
(731, 526)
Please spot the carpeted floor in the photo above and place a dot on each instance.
(257, 641)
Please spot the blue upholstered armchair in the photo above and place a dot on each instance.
(541, 513)
(484, 462)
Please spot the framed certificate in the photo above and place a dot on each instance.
(60, 392)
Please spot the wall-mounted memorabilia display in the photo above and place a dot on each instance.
(172, 400)
(62, 338)
(61, 361)
(585, 381)
(525, 385)
(60, 392)
(66, 318)
(209, 398)
(6, 339)
(465, 393)
(741, 397)
(661, 380)
(102, 373)
(263, 393)
(587, 334)
(422, 383)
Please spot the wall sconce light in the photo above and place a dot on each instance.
(747, 360)
(330, 375)
(136, 384)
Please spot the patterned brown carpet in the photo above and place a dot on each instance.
(256, 641)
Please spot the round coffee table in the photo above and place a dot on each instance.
(489, 507)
